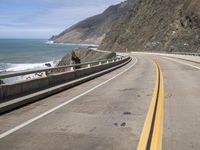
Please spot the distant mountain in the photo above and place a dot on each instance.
(93, 29)
(157, 25)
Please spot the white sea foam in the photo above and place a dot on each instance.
(50, 42)
(86, 45)
(27, 66)
(22, 67)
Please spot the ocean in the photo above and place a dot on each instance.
(25, 54)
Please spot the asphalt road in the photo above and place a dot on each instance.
(112, 116)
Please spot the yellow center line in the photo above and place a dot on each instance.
(151, 137)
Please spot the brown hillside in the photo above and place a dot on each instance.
(157, 25)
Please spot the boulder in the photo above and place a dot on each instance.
(48, 65)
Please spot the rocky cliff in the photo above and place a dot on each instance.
(93, 29)
(86, 55)
(157, 25)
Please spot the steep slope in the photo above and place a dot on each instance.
(157, 25)
(93, 29)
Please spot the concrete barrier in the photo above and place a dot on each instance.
(184, 56)
(30, 98)
(12, 91)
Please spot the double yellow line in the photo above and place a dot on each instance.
(151, 138)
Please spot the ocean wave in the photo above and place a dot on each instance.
(85, 45)
(49, 42)
(9, 67)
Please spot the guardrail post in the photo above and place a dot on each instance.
(113, 60)
(107, 61)
(100, 63)
(89, 66)
(72, 68)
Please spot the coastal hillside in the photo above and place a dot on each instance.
(93, 29)
(157, 25)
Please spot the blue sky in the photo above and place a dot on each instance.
(43, 18)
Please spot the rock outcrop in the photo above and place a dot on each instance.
(85, 55)
(157, 25)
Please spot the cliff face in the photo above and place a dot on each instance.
(157, 25)
(93, 29)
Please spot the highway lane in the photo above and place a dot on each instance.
(110, 117)
(113, 115)
(182, 103)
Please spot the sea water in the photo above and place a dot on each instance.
(25, 54)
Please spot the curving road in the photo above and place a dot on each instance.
(109, 112)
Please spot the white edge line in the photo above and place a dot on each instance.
(181, 62)
(2, 135)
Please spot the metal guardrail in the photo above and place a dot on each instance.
(58, 69)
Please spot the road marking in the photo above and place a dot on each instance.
(181, 62)
(2, 135)
(151, 137)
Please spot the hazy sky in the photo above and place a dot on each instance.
(43, 18)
